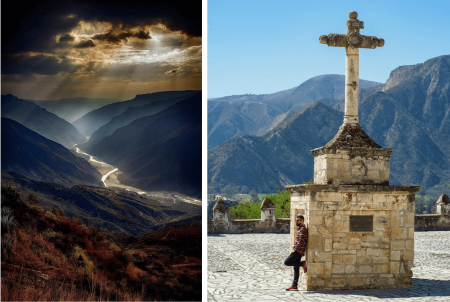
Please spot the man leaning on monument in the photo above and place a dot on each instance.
(294, 259)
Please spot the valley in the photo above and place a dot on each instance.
(110, 179)
(135, 178)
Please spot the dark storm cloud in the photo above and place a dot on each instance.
(40, 64)
(173, 71)
(33, 25)
(123, 36)
(66, 38)
(85, 44)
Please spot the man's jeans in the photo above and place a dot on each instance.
(294, 260)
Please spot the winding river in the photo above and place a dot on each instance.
(109, 178)
(108, 170)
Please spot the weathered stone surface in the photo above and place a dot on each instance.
(352, 41)
(267, 204)
(443, 205)
(352, 165)
(355, 255)
(432, 222)
(352, 136)
(267, 224)
(220, 206)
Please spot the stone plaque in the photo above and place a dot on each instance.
(361, 223)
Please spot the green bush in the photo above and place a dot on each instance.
(252, 210)
(282, 203)
(426, 204)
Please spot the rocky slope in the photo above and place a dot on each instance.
(280, 157)
(253, 114)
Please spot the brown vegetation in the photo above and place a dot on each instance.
(76, 262)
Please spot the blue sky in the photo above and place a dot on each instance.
(268, 46)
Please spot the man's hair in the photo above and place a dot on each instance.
(300, 216)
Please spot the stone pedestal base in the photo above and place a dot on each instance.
(340, 257)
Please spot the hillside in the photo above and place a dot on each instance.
(75, 262)
(29, 153)
(41, 121)
(159, 152)
(254, 114)
(281, 156)
(108, 209)
(129, 115)
(93, 120)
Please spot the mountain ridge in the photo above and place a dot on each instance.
(93, 120)
(40, 120)
(411, 115)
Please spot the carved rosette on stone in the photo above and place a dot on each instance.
(351, 157)
(352, 42)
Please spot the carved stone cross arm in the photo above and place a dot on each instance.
(355, 40)
(352, 38)
(352, 41)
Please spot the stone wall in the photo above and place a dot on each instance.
(270, 224)
(435, 222)
(267, 224)
(339, 258)
(351, 166)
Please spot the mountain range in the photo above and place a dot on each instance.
(72, 109)
(158, 146)
(160, 151)
(129, 115)
(41, 121)
(93, 120)
(256, 114)
(409, 113)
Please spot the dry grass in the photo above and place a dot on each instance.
(84, 263)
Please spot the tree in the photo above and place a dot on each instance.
(225, 192)
(252, 210)
(282, 203)
(254, 195)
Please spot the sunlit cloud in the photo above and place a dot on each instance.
(102, 59)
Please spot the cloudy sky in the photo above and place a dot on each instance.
(61, 49)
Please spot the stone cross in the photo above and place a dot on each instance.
(352, 41)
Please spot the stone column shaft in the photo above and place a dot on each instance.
(351, 85)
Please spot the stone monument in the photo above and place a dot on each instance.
(361, 229)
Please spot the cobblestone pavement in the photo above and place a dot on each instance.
(249, 267)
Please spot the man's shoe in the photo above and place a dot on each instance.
(292, 288)
(304, 268)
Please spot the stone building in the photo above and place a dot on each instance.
(361, 229)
